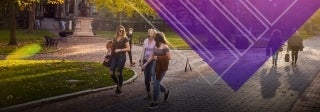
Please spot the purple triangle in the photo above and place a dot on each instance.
(232, 35)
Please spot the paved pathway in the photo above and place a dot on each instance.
(271, 89)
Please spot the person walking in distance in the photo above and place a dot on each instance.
(120, 48)
(147, 50)
(273, 46)
(295, 45)
(162, 56)
(130, 37)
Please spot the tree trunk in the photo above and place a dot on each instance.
(119, 15)
(13, 39)
(31, 19)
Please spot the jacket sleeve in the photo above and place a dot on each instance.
(301, 43)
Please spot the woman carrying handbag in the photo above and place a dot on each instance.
(120, 48)
(295, 45)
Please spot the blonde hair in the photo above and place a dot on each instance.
(152, 30)
(124, 35)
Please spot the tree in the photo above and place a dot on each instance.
(125, 7)
(13, 40)
(312, 22)
(30, 6)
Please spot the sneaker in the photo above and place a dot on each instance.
(117, 91)
(148, 97)
(166, 96)
(153, 106)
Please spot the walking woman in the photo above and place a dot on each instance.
(130, 37)
(120, 48)
(149, 70)
(274, 42)
(162, 56)
(295, 45)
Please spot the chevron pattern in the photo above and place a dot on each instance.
(232, 35)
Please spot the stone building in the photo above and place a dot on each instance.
(51, 15)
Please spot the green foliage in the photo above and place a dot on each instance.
(24, 52)
(26, 4)
(127, 7)
(312, 26)
(24, 39)
(315, 19)
(28, 80)
(175, 41)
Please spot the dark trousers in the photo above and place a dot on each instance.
(129, 52)
(294, 54)
(117, 65)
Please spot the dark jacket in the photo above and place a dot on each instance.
(273, 45)
(295, 41)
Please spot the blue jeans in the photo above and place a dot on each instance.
(117, 64)
(149, 72)
(158, 87)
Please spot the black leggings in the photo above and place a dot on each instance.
(120, 79)
(117, 66)
(129, 52)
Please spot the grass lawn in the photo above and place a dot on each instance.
(27, 80)
(175, 40)
(23, 38)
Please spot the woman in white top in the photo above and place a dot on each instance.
(149, 70)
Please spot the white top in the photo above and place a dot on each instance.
(148, 48)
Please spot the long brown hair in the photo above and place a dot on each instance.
(123, 31)
(160, 38)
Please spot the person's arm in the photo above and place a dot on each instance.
(148, 61)
(109, 51)
(301, 44)
(168, 54)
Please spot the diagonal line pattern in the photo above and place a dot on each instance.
(238, 21)
(178, 28)
(234, 64)
(271, 23)
(209, 29)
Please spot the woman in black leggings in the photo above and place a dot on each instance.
(120, 48)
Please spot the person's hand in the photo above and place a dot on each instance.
(117, 50)
(143, 66)
(140, 63)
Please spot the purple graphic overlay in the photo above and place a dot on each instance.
(232, 36)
